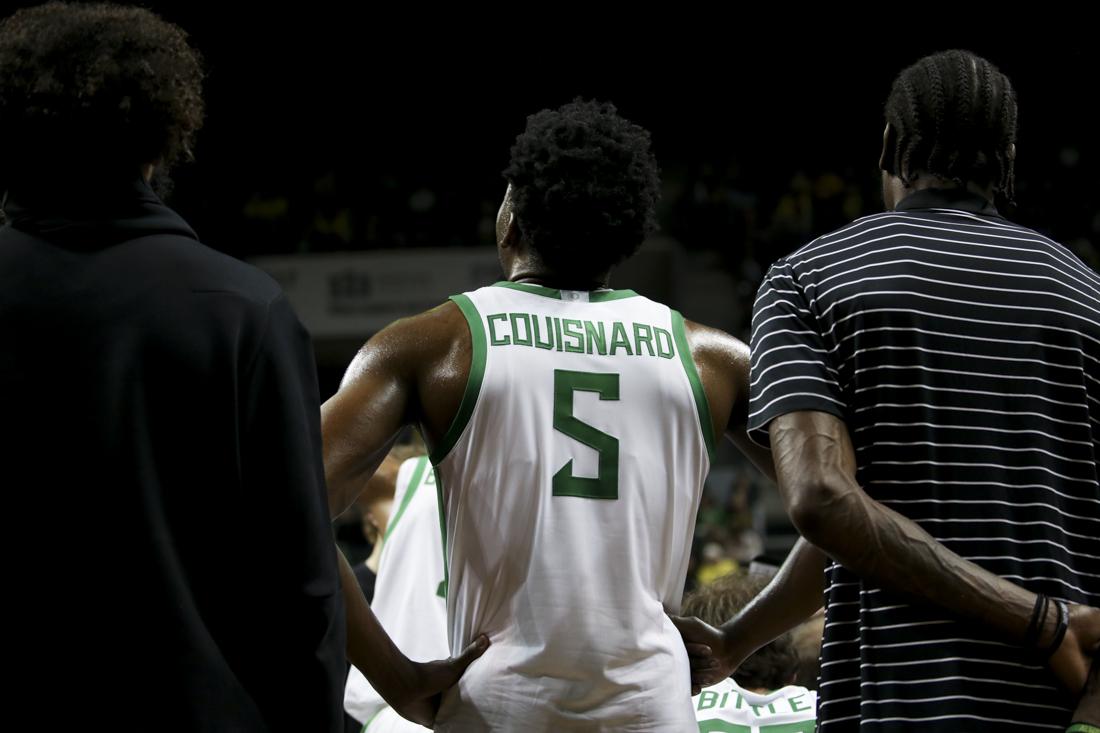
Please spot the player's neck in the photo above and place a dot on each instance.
(927, 181)
(559, 281)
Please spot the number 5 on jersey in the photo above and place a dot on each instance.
(606, 483)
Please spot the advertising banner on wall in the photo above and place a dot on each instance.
(354, 294)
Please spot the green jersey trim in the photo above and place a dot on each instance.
(706, 425)
(473, 381)
(371, 719)
(414, 484)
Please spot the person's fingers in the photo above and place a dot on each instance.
(698, 651)
(690, 627)
(704, 664)
(475, 649)
(704, 679)
(445, 672)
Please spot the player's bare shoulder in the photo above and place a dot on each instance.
(437, 339)
(723, 364)
(432, 352)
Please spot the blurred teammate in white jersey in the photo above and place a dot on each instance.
(409, 594)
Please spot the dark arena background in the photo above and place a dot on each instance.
(357, 156)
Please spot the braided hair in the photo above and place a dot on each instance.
(954, 116)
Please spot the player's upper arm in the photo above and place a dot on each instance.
(723, 365)
(377, 397)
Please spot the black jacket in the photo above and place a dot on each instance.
(170, 557)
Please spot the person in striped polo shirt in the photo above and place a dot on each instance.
(928, 380)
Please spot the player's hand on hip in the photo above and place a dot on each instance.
(709, 653)
(432, 679)
(1071, 662)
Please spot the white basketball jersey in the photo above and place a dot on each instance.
(409, 591)
(729, 708)
(571, 478)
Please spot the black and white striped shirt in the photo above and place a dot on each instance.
(963, 352)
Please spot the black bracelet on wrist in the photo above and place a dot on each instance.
(1059, 631)
(1034, 627)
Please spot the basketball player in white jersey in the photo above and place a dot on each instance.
(410, 595)
(570, 427)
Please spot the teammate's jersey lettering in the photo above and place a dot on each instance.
(596, 338)
(575, 336)
(794, 704)
(572, 329)
(707, 700)
(516, 319)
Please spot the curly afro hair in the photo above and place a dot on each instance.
(95, 89)
(585, 186)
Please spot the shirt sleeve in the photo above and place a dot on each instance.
(791, 367)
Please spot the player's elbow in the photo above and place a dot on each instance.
(815, 507)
